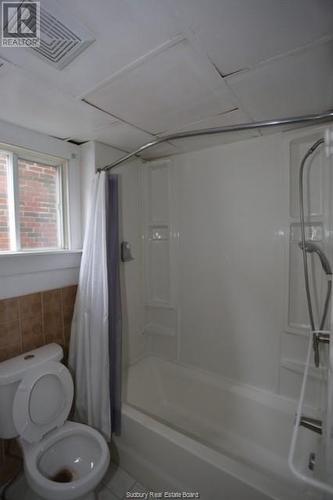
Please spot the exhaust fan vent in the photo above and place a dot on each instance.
(62, 38)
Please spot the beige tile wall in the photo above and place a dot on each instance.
(28, 322)
(33, 320)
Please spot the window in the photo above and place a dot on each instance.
(4, 217)
(32, 204)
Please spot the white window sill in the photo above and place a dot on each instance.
(22, 273)
(19, 263)
(40, 251)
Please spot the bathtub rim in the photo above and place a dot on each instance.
(271, 486)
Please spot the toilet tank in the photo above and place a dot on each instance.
(11, 373)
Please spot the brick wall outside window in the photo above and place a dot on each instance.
(38, 205)
(4, 227)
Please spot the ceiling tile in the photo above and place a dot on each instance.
(123, 136)
(238, 34)
(124, 30)
(159, 151)
(128, 138)
(298, 84)
(169, 88)
(29, 102)
(233, 117)
(196, 143)
(147, 74)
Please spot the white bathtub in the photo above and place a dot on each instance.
(185, 429)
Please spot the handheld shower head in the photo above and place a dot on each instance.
(311, 247)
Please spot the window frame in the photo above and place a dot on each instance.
(61, 164)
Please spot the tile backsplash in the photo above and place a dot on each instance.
(30, 321)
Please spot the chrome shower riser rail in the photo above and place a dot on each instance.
(309, 246)
(297, 120)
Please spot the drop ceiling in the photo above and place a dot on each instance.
(157, 66)
(173, 85)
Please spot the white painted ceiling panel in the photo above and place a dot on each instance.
(238, 34)
(219, 120)
(160, 151)
(33, 104)
(140, 71)
(127, 138)
(122, 136)
(124, 31)
(172, 87)
(197, 143)
(298, 84)
(233, 117)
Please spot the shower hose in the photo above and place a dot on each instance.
(315, 332)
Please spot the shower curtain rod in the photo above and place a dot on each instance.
(304, 119)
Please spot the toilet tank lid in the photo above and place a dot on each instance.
(12, 370)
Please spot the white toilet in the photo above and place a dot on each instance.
(62, 459)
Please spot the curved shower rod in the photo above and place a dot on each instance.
(304, 119)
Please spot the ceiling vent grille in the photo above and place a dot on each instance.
(62, 39)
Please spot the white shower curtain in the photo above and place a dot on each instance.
(89, 344)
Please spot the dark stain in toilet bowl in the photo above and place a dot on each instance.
(63, 476)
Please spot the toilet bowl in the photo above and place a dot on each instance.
(67, 464)
(63, 460)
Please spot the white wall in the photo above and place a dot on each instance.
(87, 172)
(96, 155)
(131, 272)
(21, 273)
(233, 225)
(233, 203)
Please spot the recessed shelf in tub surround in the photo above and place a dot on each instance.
(159, 232)
(155, 329)
(160, 255)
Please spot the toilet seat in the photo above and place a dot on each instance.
(43, 400)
